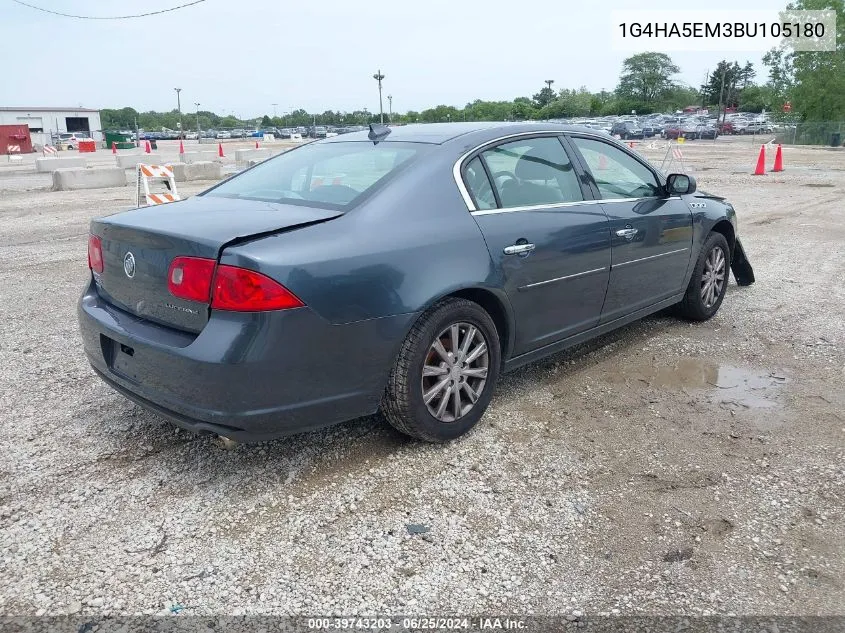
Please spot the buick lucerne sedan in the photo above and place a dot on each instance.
(398, 270)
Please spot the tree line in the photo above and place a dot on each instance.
(812, 82)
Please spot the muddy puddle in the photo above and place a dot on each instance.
(740, 387)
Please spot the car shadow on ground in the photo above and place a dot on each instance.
(127, 433)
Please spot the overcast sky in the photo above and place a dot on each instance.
(240, 57)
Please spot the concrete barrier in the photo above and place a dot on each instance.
(198, 157)
(246, 155)
(131, 161)
(205, 170)
(94, 178)
(51, 164)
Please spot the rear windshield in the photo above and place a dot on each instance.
(332, 175)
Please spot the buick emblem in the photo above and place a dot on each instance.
(129, 265)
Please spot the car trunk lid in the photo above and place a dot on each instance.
(139, 245)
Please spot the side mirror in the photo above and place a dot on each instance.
(680, 184)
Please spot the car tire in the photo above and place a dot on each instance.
(714, 261)
(403, 402)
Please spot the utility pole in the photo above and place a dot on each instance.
(721, 94)
(274, 109)
(199, 132)
(390, 108)
(179, 108)
(378, 77)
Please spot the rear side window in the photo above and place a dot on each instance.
(479, 185)
(617, 174)
(534, 171)
(334, 175)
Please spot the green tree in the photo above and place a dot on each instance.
(818, 92)
(721, 88)
(544, 97)
(266, 122)
(781, 73)
(646, 77)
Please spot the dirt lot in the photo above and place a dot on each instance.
(666, 468)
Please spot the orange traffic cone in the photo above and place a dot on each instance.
(220, 150)
(631, 144)
(148, 148)
(181, 148)
(761, 162)
(778, 159)
(256, 145)
(113, 147)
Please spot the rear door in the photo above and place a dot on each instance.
(651, 234)
(550, 246)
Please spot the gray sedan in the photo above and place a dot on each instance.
(398, 270)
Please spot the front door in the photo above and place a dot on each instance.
(551, 249)
(651, 233)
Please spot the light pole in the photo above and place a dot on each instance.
(390, 108)
(179, 108)
(274, 109)
(549, 83)
(378, 77)
(199, 132)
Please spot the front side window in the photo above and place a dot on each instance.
(534, 171)
(617, 174)
(334, 175)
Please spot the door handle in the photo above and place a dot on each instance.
(628, 232)
(519, 249)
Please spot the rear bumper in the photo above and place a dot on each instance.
(246, 376)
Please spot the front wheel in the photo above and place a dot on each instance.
(709, 281)
(445, 372)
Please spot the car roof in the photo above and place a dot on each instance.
(439, 133)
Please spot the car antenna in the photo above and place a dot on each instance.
(377, 132)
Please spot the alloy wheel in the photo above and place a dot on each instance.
(455, 371)
(713, 277)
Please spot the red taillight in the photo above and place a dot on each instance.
(95, 253)
(190, 278)
(245, 290)
(237, 289)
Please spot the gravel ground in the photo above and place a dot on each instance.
(667, 468)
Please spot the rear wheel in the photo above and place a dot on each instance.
(445, 373)
(709, 281)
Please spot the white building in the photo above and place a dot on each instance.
(44, 123)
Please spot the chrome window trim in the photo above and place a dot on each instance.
(564, 278)
(642, 259)
(557, 205)
(459, 181)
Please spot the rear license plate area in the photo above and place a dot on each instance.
(119, 358)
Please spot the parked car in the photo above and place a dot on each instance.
(318, 286)
(70, 140)
(757, 127)
(672, 131)
(224, 134)
(626, 130)
(317, 132)
(191, 136)
(725, 127)
(650, 130)
(705, 132)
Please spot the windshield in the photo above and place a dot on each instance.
(333, 175)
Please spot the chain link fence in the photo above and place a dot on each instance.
(831, 133)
